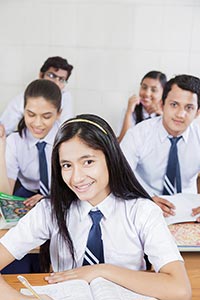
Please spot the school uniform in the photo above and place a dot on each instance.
(129, 228)
(145, 114)
(15, 111)
(22, 160)
(146, 147)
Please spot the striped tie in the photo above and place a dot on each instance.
(172, 180)
(94, 249)
(44, 187)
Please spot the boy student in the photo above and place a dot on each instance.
(164, 151)
(56, 69)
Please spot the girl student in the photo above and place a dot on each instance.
(19, 155)
(147, 105)
(91, 175)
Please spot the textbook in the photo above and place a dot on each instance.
(98, 289)
(12, 209)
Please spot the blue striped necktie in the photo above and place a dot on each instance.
(172, 180)
(44, 187)
(94, 249)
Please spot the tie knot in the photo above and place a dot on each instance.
(174, 140)
(96, 216)
(41, 146)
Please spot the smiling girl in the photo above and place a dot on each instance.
(147, 104)
(90, 174)
(19, 156)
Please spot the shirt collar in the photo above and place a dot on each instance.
(106, 207)
(49, 138)
(164, 134)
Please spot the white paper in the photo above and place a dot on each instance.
(184, 204)
(99, 289)
(103, 289)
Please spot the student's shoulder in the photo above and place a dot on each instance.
(144, 130)
(195, 127)
(147, 125)
(143, 209)
(17, 99)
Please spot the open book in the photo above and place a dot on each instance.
(99, 289)
(184, 204)
(12, 209)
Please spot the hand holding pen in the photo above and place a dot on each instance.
(25, 282)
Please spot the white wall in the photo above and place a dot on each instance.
(111, 44)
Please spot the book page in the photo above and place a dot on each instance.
(184, 204)
(68, 290)
(103, 289)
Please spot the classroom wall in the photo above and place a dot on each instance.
(111, 44)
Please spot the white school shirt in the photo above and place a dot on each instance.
(146, 115)
(15, 110)
(146, 147)
(22, 160)
(129, 227)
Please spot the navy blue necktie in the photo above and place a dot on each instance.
(172, 180)
(44, 187)
(94, 249)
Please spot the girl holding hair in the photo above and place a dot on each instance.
(148, 104)
(90, 174)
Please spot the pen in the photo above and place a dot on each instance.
(25, 282)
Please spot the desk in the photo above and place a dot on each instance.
(192, 263)
(2, 232)
(34, 279)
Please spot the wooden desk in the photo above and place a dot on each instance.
(192, 263)
(34, 279)
(2, 232)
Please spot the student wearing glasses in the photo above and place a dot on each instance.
(56, 69)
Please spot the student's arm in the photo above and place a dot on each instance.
(12, 114)
(170, 283)
(132, 102)
(6, 290)
(6, 184)
(166, 206)
(196, 211)
(32, 201)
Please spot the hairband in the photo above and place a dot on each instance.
(86, 121)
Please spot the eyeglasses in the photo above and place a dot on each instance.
(53, 76)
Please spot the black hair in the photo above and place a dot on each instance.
(122, 181)
(57, 62)
(185, 82)
(154, 75)
(41, 88)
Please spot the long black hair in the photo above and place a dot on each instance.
(97, 134)
(154, 75)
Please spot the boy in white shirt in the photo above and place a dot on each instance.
(56, 69)
(147, 145)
